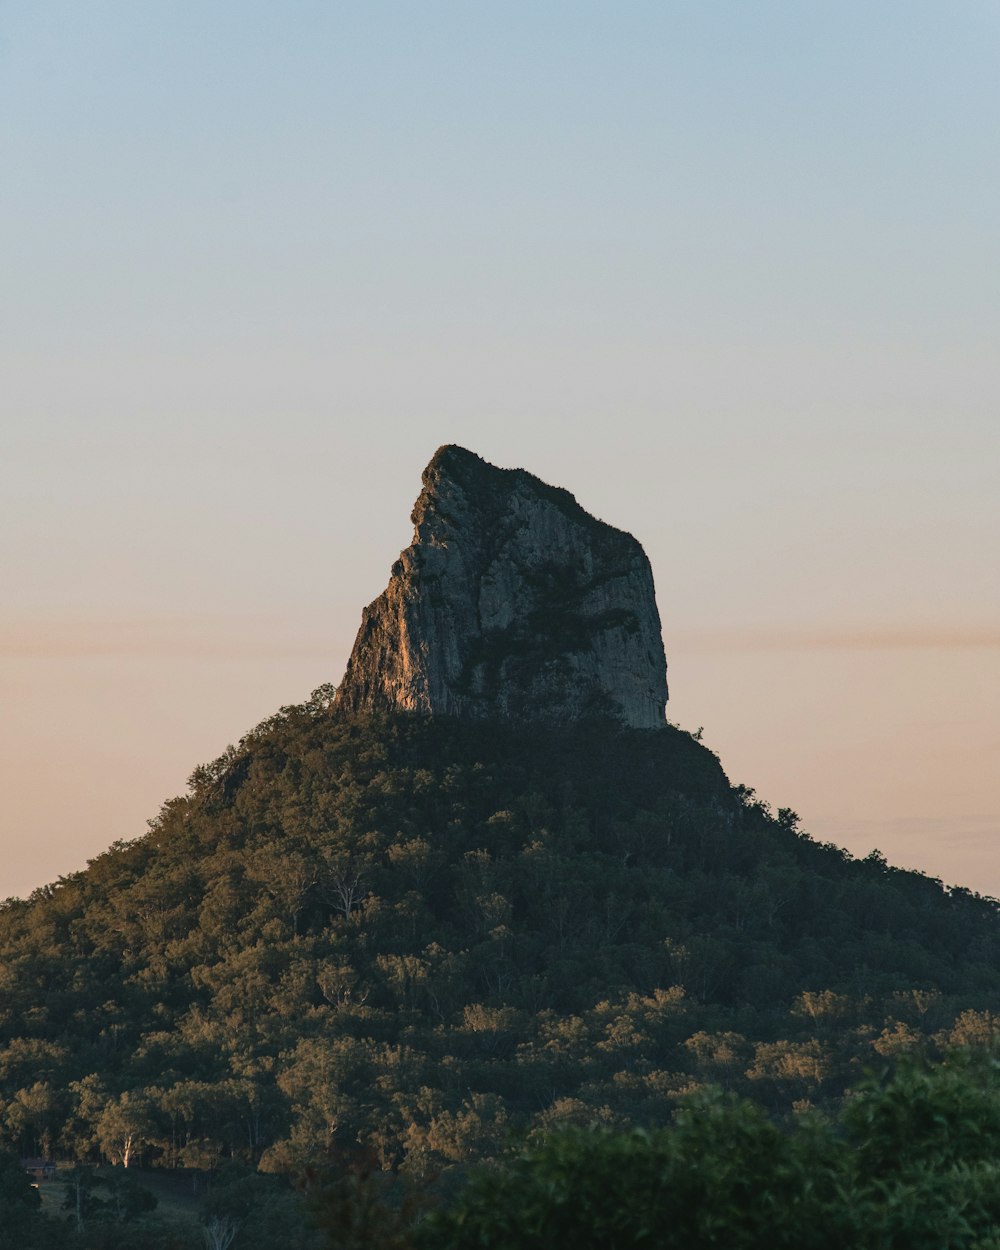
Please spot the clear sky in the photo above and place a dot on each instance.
(728, 271)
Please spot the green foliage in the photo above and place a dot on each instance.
(20, 1218)
(927, 1153)
(723, 1176)
(913, 1164)
(106, 1196)
(262, 1212)
(355, 1206)
(416, 937)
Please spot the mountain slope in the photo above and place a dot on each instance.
(417, 934)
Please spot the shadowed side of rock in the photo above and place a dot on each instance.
(511, 604)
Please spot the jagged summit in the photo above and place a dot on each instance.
(512, 603)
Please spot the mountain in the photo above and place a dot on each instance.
(415, 915)
(511, 604)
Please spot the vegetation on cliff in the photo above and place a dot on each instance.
(512, 604)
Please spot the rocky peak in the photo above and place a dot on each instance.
(512, 603)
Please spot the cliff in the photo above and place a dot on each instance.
(512, 604)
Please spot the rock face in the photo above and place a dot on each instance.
(511, 604)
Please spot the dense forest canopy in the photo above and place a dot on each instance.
(416, 937)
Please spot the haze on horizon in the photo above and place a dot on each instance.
(725, 272)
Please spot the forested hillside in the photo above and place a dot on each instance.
(418, 936)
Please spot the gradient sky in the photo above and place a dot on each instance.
(727, 271)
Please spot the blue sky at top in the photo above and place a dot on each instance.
(726, 270)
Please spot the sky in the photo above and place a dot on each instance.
(727, 271)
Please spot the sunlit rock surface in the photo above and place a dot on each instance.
(511, 604)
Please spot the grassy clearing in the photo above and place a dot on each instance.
(179, 1195)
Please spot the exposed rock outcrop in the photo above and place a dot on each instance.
(513, 604)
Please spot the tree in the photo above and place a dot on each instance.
(725, 1176)
(220, 1231)
(254, 1211)
(358, 1208)
(103, 1197)
(20, 1205)
(32, 1117)
(924, 1154)
(345, 881)
(124, 1126)
(913, 1164)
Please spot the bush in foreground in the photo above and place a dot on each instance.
(912, 1163)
